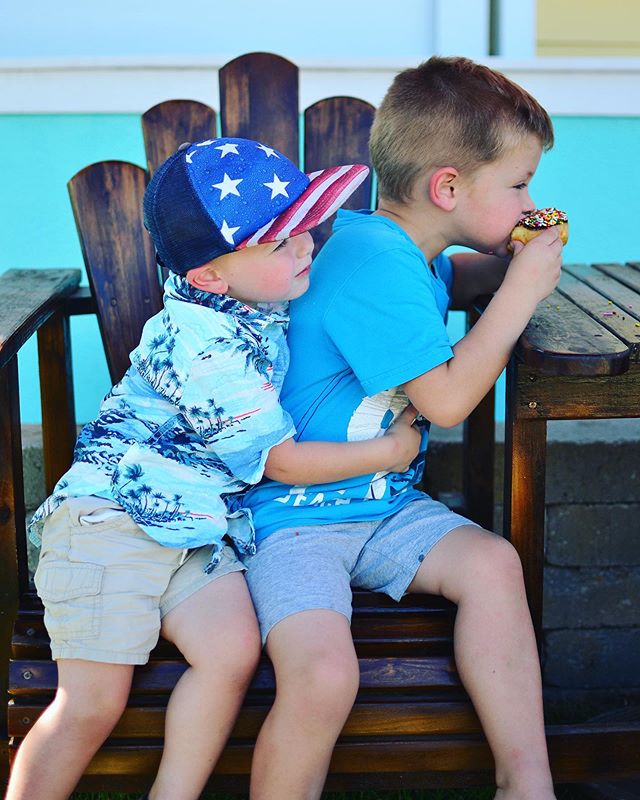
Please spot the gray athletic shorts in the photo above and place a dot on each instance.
(315, 566)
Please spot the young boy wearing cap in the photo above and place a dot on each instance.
(454, 145)
(141, 535)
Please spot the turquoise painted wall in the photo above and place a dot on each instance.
(593, 172)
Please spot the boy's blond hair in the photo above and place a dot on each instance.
(449, 112)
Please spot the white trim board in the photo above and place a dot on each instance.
(565, 86)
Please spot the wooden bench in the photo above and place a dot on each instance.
(412, 725)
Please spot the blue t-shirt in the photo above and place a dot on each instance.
(373, 319)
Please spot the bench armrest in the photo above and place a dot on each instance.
(28, 298)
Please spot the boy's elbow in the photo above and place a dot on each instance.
(280, 462)
(446, 419)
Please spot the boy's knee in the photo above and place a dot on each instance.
(236, 652)
(497, 560)
(329, 681)
(101, 712)
(244, 649)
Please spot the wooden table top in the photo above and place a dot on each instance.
(590, 326)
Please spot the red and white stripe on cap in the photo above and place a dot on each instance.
(327, 191)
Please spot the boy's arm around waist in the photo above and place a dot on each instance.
(308, 463)
(448, 393)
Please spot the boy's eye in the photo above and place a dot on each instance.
(520, 186)
(280, 245)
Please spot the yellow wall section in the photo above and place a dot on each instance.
(588, 28)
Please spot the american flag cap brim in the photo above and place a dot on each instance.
(328, 189)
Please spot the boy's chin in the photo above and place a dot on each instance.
(500, 250)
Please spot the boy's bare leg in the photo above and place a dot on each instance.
(317, 679)
(496, 653)
(89, 701)
(217, 632)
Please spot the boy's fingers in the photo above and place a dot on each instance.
(516, 246)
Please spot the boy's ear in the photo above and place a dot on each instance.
(443, 186)
(208, 279)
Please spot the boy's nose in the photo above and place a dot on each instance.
(530, 205)
(305, 243)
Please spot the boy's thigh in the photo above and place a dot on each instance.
(303, 569)
(193, 574)
(101, 584)
(393, 555)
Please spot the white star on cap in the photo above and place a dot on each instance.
(268, 150)
(228, 232)
(228, 186)
(205, 144)
(277, 186)
(225, 149)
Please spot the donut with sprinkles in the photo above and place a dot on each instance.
(533, 224)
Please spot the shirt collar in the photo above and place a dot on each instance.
(177, 287)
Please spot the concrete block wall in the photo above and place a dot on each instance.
(592, 573)
(591, 621)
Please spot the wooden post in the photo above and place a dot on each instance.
(524, 492)
(12, 515)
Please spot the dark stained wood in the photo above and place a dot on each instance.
(524, 485)
(336, 131)
(436, 674)
(561, 339)
(606, 751)
(56, 393)
(118, 253)
(602, 280)
(564, 397)
(628, 275)
(259, 100)
(371, 719)
(29, 297)
(478, 463)
(167, 125)
(12, 515)
(622, 322)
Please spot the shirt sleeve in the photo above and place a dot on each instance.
(444, 268)
(229, 399)
(387, 320)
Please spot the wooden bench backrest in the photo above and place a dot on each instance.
(258, 100)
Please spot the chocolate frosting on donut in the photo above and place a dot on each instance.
(543, 218)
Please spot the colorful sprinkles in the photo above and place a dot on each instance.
(543, 218)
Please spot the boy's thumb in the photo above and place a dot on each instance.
(516, 246)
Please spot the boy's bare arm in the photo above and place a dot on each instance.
(447, 394)
(325, 462)
(475, 274)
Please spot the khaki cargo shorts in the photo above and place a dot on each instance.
(105, 584)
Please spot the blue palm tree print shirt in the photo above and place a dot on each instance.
(190, 425)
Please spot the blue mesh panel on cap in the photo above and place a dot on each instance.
(183, 233)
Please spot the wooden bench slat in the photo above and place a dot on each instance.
(435, 674)
(167, 125)
(560, 340)
(603, 750)
(336, 131)
(29, 297)
(627, 274)
(366, 719)
(259, 100)
(600, 277)
(107, 206)
(620, 321)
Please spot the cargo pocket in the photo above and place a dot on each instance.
(71, 596)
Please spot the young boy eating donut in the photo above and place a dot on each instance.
(454, 145)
